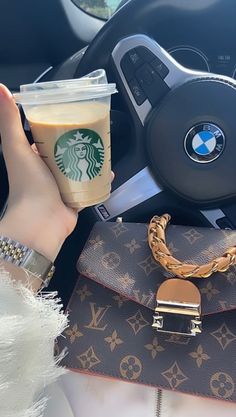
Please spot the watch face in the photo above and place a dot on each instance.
(39, 266)
(204, 143)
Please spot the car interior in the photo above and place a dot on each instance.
(174, 64)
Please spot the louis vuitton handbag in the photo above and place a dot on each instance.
(156, 305)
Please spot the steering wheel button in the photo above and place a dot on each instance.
(160, 68)
(137, 92)
(135, 58)
(145, 75)
(127, 67)
(145, 53)
(151, 83)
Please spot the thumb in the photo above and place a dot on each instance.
(11, 130)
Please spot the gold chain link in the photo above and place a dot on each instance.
(157, 243)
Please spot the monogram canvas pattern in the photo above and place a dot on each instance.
(118, 341)
(117, 255)
(111, 313)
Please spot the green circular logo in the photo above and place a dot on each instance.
(79, 154)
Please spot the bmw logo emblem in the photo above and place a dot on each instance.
(204, 143)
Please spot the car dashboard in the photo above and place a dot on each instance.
(205, 43)
(221, 61)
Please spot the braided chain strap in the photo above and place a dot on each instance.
(157, 243)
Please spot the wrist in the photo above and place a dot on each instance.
(45, 235)
(19, 275)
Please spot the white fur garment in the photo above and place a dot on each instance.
(29, 325)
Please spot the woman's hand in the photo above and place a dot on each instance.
(36, 215)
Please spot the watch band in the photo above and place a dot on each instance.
(28, 259)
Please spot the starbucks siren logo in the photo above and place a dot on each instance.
(79, 154)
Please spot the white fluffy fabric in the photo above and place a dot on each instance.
(29, 325)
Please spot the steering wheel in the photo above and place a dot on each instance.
(183, 121)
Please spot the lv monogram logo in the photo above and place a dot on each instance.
(145, 299)
(98, 314)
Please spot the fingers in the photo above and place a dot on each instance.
(11, 130)
(34, 148)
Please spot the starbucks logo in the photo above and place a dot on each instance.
(79, 154)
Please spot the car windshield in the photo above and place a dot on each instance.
(103, 9)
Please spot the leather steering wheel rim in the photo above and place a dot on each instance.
(133, 18)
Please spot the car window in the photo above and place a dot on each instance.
(99, 8)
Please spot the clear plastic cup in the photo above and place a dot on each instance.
(70, 123)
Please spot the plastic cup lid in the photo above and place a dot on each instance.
(90, 87)
(94, 78)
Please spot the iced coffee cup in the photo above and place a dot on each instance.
(70, 123)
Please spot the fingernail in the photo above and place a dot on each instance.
(4, 92)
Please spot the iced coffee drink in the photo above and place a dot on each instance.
(73, 138)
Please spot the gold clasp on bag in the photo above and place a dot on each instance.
(179, 302)
(178, 308)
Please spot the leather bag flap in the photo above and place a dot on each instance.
(118, 257)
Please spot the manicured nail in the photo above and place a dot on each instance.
(4, 92)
